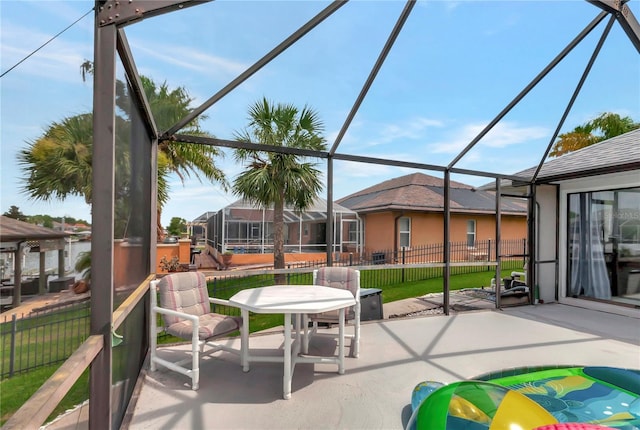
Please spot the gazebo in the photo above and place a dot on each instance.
(17, 237)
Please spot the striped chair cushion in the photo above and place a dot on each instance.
(184, 292)
(211, 325)
(337, 277)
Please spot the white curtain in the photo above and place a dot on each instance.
(589, 275)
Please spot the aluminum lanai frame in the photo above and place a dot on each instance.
(111, 18)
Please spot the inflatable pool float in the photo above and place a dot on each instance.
(544, 398)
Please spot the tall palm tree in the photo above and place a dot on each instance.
(58, 164)
(183, 159)
(274, 179)
(605, 126)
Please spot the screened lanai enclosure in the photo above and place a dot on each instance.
(412, 53)
(242, 228)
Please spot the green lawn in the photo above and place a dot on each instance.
(14, 392)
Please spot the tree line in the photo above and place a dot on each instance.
(42, 220)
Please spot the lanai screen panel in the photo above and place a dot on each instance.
(249, 228)
(132, 239)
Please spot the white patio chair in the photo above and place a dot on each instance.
(185, 307)
(337, 277)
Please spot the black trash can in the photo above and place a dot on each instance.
(370, 304)
(378, 257)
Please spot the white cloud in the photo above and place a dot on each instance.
(212, 66)
(59, 61)
(407, 129)
(502, 135)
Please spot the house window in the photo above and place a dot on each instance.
(353, 231)
(404, 230)
(471, 233)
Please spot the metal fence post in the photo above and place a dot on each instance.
(12, 359)
(489, 253)
(403, 250)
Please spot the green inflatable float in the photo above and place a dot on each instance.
(531, 399)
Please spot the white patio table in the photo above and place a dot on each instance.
(292, 300)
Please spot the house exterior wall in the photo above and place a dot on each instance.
(379, 232)
(546, 238)
(546, 246)
(428, 228)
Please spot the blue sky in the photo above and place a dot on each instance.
(454, 67)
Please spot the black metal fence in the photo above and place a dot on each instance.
(484, 250)
(42, 338)
(383, 268)
(49, 337)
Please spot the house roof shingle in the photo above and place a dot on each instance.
(421, 192)
(620, 153)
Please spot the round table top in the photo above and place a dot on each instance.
(292, 299)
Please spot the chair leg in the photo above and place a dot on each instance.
(153, 340)
(195, 368)
(196, 346)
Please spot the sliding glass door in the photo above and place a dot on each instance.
(604, 245)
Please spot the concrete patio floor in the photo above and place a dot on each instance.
(375, 391)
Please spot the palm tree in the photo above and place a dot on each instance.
(183, 159)
(275, 179)
(58, 164)
(605, 126)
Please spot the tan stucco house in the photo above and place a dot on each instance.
(408, 211)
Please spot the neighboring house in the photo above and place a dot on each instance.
(246, 229)
(587, 224)
(198, 227)
(409, 211)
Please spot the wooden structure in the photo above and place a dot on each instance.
(18, 236)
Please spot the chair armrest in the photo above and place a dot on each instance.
(217, 301)
(192, 318)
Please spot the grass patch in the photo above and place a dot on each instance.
(14, 392)
(42, 340)
(412, 289)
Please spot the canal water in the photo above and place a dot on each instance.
(31, 261)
